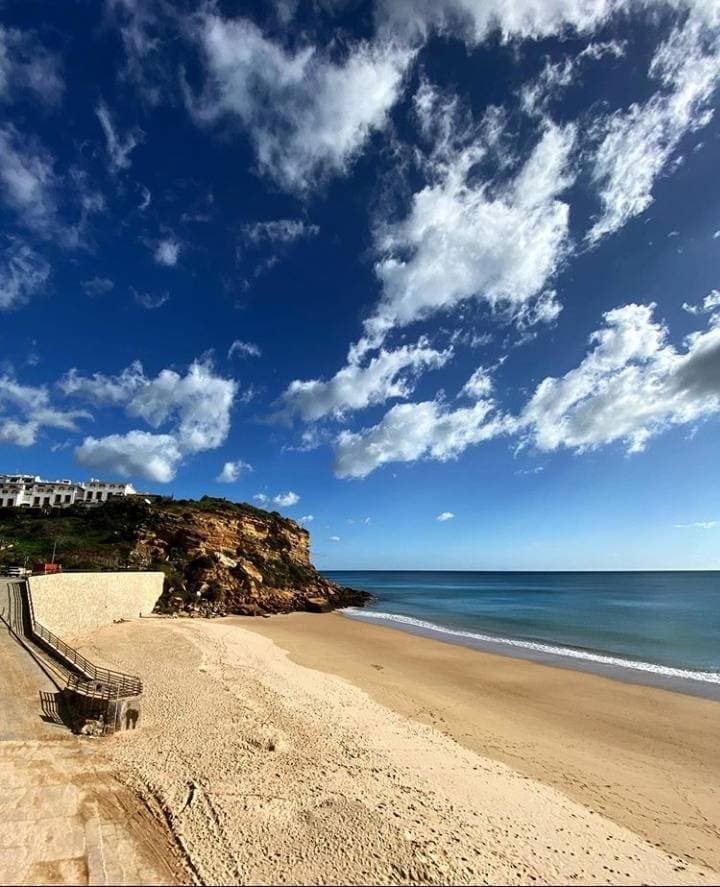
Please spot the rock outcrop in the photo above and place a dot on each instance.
(217, 556)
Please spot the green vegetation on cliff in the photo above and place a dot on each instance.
(214, 553)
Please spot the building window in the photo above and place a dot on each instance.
(36, 502)
(68, 498)
(98, 495)
(46, 500)
(58, 498)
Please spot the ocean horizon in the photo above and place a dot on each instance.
(656, 627)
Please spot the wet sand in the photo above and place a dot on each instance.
(270, 772)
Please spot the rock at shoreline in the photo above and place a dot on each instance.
(219, 557)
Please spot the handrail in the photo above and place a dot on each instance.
(89, 669)
(121, 684)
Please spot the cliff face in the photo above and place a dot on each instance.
(215, 554)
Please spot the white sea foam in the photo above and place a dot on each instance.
(708, 677)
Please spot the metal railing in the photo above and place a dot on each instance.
(117, 682)
(128, 685)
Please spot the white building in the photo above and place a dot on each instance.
(31, 491)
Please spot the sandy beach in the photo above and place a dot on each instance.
(370, 756)
(648, 759)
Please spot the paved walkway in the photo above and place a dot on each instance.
(24, 689)
(64, 818)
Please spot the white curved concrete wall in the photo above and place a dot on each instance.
(71, 603)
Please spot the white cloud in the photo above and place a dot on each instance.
(633, 384)
(285, 500)
(167, 252)
(389, 374)
(232, 471)
(413, 431)
(137, 453)
(699, 525)
(30, 186)
(30, 410)
(199, 401)
(264, 243)
(307, 518)
(557, 76)
(244, 349)
(23, 272)
(98, 286)
(445, 516)
(281, 500)
(638, 143)
(468, 238)
(479, 385)
(150, 300)
(523, 472)
(334, 539)
(475, 20)
(19, 434)
(27, 179)
(710, 303)
(197, 406)
(308, 116)
(119, 148)
(140, 27)
(26, 66)
(279, 230)
(104, 390)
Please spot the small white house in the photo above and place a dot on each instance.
(31, 491)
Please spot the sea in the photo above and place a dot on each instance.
(657, 628)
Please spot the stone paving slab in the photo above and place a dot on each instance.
(64, 818)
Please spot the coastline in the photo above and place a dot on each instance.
(647, 758)
(703, 684)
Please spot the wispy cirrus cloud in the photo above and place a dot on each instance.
(243, 349)
(28, 181)
(98, 286)
(27, 67)
(23, 272)
(150, 300)
(119, 146)
(699, 525)
(278, 231)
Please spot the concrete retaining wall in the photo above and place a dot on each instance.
(71, 603)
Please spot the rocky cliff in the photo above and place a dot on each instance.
(217, 555)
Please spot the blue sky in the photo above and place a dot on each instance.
(439, 279)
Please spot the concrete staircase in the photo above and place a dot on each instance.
(91, 694)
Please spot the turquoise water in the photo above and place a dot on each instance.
(661, 628)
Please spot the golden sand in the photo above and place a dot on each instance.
(449, 769)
